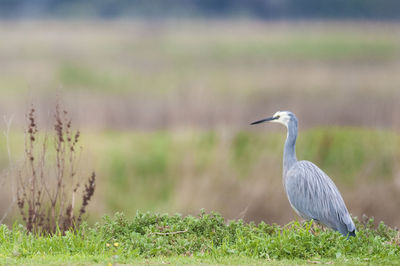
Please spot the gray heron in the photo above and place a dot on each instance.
(311, 193)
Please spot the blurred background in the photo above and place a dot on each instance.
(163, 92)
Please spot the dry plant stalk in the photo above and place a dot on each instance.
(47, 192)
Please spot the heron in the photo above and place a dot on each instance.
(311, 193)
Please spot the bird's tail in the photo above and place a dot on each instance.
(349, 229)
(352, 233)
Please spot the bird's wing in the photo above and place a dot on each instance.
(314, 195)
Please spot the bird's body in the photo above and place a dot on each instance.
(311, 193)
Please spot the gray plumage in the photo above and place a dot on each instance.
(311, 193)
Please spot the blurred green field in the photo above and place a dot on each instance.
(237, 174)
(229, 172)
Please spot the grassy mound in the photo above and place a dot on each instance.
(155, 237)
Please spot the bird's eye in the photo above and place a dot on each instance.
(277, 117)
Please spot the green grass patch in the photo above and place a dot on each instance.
(208, 237)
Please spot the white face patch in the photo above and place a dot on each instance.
(283, 119)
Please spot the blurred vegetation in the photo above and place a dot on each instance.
(145, 171)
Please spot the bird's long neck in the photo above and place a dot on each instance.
(289, 152)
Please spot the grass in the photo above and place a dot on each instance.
(184, 260)
(207, 238)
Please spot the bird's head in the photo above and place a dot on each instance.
(281, 117)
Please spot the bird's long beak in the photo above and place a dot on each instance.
(264, 120)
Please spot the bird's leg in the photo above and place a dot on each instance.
(315, 227)
(312, 228)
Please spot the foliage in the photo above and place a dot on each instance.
(48, 187)
(148, 235)
(154, 235)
